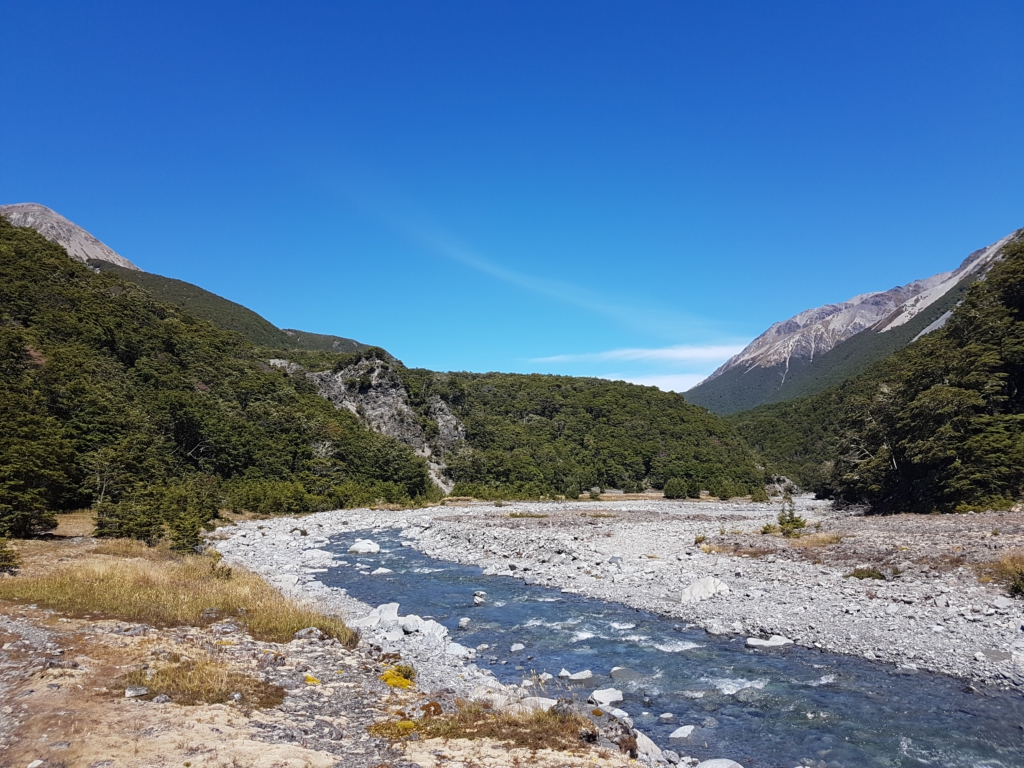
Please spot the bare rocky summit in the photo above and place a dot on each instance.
(80, 245)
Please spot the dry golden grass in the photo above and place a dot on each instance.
(127, 580)
(1009, 570)
(538, 730)
(816, 540)
(206, 681)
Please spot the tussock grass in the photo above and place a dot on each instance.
(525, 514)
(816, 540)
(127, 580)
(206, 681)
(1009, 569)
(471, 720)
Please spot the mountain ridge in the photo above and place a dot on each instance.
(80, 244)
(764, 370)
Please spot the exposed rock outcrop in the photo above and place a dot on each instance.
(80, 245)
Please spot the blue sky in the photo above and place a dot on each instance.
(631, 190)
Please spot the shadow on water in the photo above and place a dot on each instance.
(765, 709)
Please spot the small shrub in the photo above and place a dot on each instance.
(759, 495)
(769, 528)
(8, 556)
(789, 522)
(399, 676)
(700, 538)
(1009, 570)
(865, 573)
(677, 488)
(595, 494)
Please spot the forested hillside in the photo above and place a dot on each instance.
(560, 434)
(226, 314)
(937, 426)
(154, 418)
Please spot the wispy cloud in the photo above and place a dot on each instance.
(677, 354)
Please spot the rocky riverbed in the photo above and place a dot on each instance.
(929, 612)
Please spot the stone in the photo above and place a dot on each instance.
(463, 623)
(703, 589)
(1002, 603)
(479, 599)
(666, 717)
(644, 746)
(381, 572)
(459, 651)
(35, 764)
(670, 756)
(538, 703)
(681, 733)
(603, 697)
(565, 673)
(163, 698)
(410, 623)
(309, 633)
(586, 674)
(719, 763)
(623, 673)
(516, 647)
(775, 641)
(134, 691)
(386, 611)
(364, 547)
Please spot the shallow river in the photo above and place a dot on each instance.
(765, 709)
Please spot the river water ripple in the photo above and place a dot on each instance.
(765, 709)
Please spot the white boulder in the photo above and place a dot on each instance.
(603, 697)
(775, 641)
(364, 547)
(703, 589)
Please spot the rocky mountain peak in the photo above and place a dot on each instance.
(79, 244)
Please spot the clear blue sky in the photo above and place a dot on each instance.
(614, 189)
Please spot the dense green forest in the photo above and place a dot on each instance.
(540, 434)
(112, 400)
(226, 314)
(937, 426)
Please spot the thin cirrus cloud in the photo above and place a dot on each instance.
(679, 354)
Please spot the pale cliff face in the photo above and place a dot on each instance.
(816, 331)
(79, 244)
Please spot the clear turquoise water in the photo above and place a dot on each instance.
(767, 709)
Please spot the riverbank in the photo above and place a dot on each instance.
(931, 613)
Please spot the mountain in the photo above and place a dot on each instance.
(79, 244)
(822, 346)
(83, 246)
(936, 426)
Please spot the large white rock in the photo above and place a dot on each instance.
(775, 641)
(681, 733)
(386, 611)
(705, 588)
(605, 696)
(364, 547)
(644, 746)
(586, 674)
(381, 572)
(411, 623)
(459, 651)
(719, 763)
(538, 703)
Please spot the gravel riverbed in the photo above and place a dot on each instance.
(704, 563)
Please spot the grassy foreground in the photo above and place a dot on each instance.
(127, 580)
